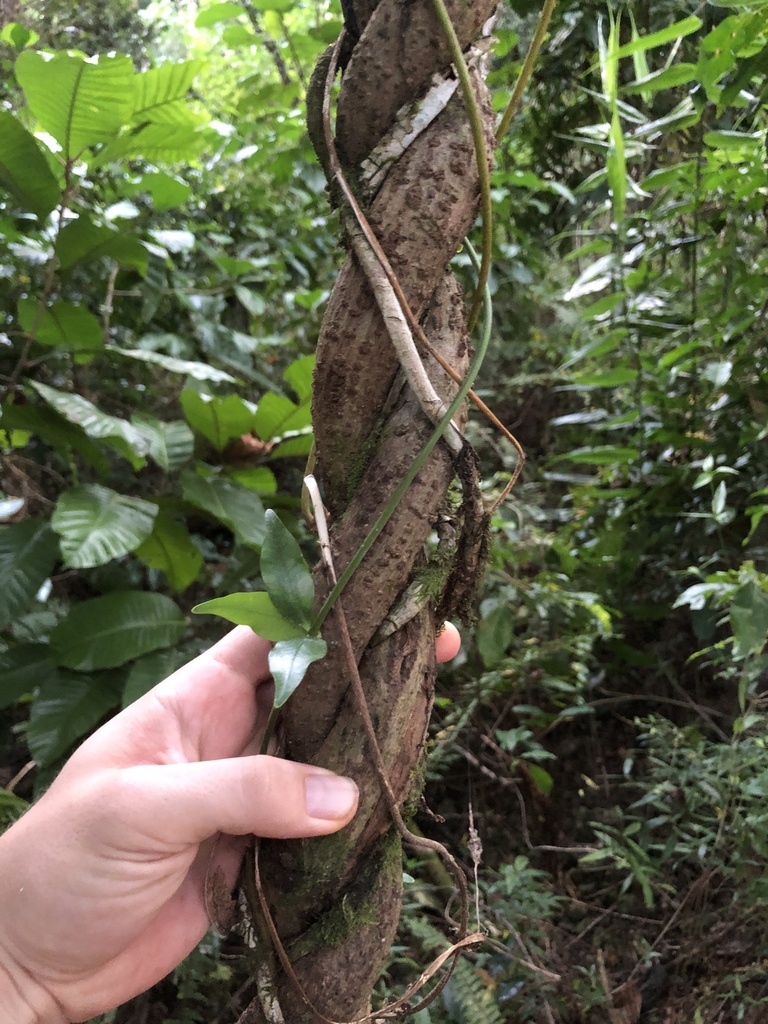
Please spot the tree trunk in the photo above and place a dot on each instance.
(336, 901)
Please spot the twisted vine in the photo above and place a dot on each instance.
(335, 902)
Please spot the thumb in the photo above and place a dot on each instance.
(262, 795)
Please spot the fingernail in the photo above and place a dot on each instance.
(329, 796)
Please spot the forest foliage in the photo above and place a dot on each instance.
(166, 247)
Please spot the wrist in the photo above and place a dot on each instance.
(22, 1000)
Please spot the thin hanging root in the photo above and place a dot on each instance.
(416, 328)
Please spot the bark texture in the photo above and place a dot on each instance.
(336, 901)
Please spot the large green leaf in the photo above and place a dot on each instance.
(215, 13)
(277, 415)
(47, 424)
(79, 102)
(96, 524)
(158, 142)
(170, 549)
(749, 620)
(289, 661)
(218, 419)
(159, 92)
(82, 241)
(69, 706)
(22, 670)
(119, 434)
(24, 171)
(199, 371)
(232, 504)
(255, 610)
(108, 631)
(285, 573)
(62, 325)
(171, 443)
(28, 553)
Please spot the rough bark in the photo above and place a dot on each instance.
(336, 901)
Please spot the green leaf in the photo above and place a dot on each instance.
(749, 619)
(617, 169)
(77, 101)
(156, 142)
(170, 548)
(18, 36)
(678, 30)
(600, 455)
(54, 430)
(200, 371)
(171, 443)
(608, 379)
(281, 6)
(255, 610)
(232, 504)
(159, 90)
(96, 524)
(149, 670)
(61, 325)
(22, 670)
(276, 415)
(667, 78)
(82, 241)
(69, 706)
(285, 573)
(289, 661)
(255, 478)
(215, 13)
(165, 190)
(541, 778)
(299, 376)
(117, 433)
(28, 553)
(24, 171)
(104, 632)
(218, 419)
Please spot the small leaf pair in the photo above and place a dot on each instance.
(283, 614)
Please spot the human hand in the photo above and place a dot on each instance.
(102, 882)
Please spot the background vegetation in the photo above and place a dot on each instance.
(164, 255)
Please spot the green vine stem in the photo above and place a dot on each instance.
(527, 69)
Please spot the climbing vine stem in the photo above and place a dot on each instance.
(418, 462)
(527, 69)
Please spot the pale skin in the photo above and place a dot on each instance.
(102, 880)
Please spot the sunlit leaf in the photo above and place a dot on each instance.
(79, 102)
